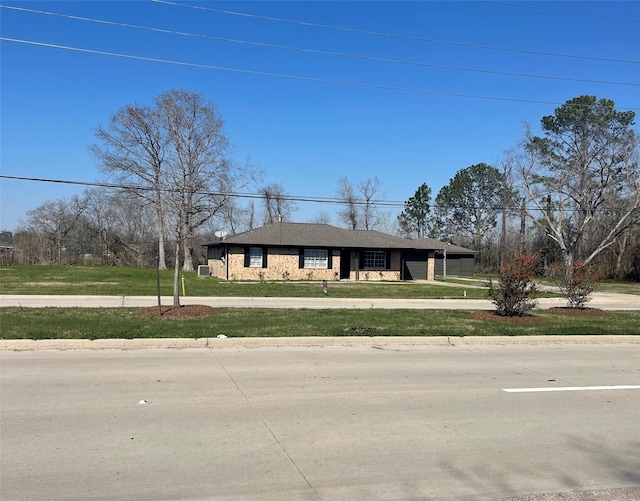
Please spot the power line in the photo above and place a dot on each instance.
(258, 196)
(292, 198)
(401, 37)
(316, 51)
(571, 12)
(291, 77)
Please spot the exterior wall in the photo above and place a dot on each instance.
(217, 267)
(431, 266)
(282, 264)
(392, 274)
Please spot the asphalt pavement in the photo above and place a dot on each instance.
(358, 423)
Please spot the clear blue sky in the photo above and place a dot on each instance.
(306, 134)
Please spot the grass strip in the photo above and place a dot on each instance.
(88, 323)
(117, 281)
(103, 280)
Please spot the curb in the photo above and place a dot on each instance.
(303, 342)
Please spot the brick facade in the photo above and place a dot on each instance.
(431, 266)
(274, 250)
(284, 264)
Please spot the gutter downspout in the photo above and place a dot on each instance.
(444, 263)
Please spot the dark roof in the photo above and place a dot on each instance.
(324, 235)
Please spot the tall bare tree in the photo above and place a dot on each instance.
(277, 206)
(58, 225)
(583, 173)
(509, 198)
(370, 191)
(321, 217)
(177, 156)
(349, 214)
(200, 172)
(132, 148)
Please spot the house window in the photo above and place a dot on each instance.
(316, 258)
(215, 253)
(255, 257)
(374, 260)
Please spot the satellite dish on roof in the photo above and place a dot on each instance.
(220, 234)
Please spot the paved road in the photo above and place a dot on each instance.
(319, 423)
(605, 301)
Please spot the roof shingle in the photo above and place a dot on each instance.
(325, 235)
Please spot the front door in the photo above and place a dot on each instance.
(345, 264)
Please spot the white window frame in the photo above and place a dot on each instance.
(255, 257)
(316, 258)
(374, 260)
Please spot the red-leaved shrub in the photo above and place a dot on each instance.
(576, 284)
(514, 293)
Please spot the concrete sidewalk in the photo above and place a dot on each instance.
(380, 342)
(604, 301)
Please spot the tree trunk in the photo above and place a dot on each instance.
(187, 265)
(568, 260)
(523, 225)
(503, 238)
(162, 260)
(619, 255)
(176, 277)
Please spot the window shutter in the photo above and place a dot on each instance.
(247, 257)
(361, 260)
(264, 257)
(329, 259)
(301, 258)
(388, 261)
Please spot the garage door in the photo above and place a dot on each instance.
(414, 265)
(457, 265)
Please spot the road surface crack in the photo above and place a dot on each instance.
(267, 427)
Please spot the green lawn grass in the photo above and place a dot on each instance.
(105, 280)
(85, 323)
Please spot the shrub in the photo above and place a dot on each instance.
(514, 294)
(576, 284)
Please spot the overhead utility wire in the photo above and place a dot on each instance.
(293, 198)
(290, 77)
(315, 51)
(258, 196)
(571, 12)
(392, 35)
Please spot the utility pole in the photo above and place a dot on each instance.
(523, 224)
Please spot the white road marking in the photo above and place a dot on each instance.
(572, 388)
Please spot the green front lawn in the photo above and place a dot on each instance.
(105, 280)
(84, 323)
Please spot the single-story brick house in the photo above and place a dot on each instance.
(308, 251)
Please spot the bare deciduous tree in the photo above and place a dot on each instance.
(177, 156)
(584, 172)
(322, 217)
(199, 170)
(277, 206)
(369, 190)
(132, 148)
(57, 224)
(350, 213)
